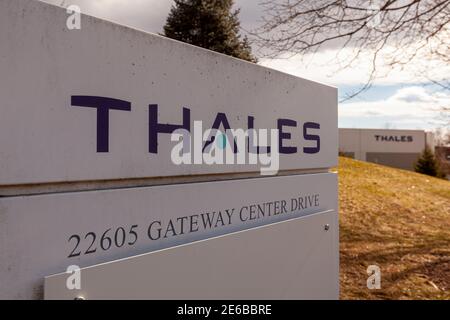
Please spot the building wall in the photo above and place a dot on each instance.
(394, 159)
(395, 148)
(350, 142)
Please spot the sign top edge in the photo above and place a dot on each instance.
(177, 42)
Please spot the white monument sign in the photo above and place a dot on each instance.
(106, 106)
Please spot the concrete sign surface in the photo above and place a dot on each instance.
(98, 103)
(270, 264)
(97, 107)
(44, 234)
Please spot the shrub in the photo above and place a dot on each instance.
(427, 164)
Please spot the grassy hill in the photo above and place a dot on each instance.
(398, 220)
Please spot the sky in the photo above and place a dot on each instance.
(398, 101)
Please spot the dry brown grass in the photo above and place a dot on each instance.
(398, 220)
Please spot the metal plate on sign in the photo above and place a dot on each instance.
(44, 234)
(294, 259)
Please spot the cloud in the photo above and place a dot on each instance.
(411, 107)
(150, 15)
(414, 94)
(147, 15)
(329, 67)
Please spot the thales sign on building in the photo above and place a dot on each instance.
(396, 148)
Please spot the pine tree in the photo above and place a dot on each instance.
(209, 24)
(427, 164)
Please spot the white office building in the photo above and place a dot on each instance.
(395, 148)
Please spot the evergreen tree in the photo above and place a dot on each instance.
(427, 163)
(209, 24)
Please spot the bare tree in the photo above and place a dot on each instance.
(442, 137)
(403, 31)
(444, 117)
